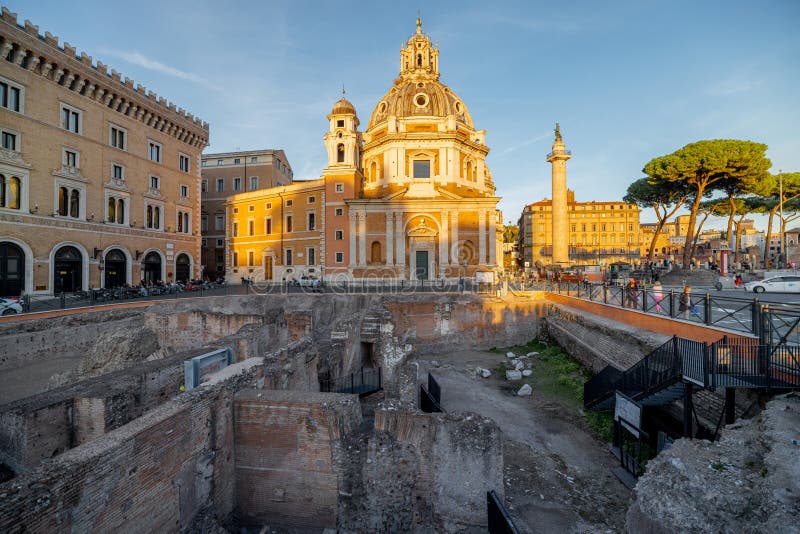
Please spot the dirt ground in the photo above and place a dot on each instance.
(557, 474)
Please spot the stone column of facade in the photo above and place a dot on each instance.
(444, 256)
(362, 238)
(558, 159)
(352, 238)
(389, 240)
(454, 231)
(492, 238)
(400, 238)
(482, 237)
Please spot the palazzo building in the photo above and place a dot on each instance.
(99, 178)
(564, 232)
(410, 197)
(227, 174)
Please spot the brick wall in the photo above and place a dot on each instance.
(284, 440)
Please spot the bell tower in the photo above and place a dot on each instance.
(343, 140)
(558, 159)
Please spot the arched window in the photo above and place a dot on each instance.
(419, 60)
(340, 153)
(157, 217)
(75, 203)
(149, 216)
(373, 171)
(120, 211)
(63, 200)
(376, 252)
(180, 221)
(613, 239)
(469, 172)
(186, 223)
(9, 192)
(112, 212)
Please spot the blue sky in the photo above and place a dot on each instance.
(628, 81)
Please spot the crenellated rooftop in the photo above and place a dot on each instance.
(24, 46)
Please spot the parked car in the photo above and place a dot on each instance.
(787, 284)
(306, 281)
(10, 307)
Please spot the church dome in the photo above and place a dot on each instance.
(421, 97)
(343, 106)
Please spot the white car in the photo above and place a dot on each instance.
(10, 307)
(786, 284)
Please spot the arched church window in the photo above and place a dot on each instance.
(340, 153)
(419, 60)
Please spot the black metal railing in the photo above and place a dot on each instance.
(729, 362)
(363, 382)
(500, 521)
(731, 313)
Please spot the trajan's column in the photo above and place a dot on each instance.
(558, 158)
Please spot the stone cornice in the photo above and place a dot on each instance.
(70, 173)
(42, 55)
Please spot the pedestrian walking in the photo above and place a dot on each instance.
(658, 295)
(633, 294)
(685, 302)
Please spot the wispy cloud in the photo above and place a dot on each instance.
(733, 86)
(510, 149)
(135, 58)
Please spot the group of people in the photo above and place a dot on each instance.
(685, 306)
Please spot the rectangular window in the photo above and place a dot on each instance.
(10, 141)
(219, 222)
(235, 210)
(10, 96)
(184, 191)
(251, 208)
(204, 223)
(288, 223)
(289, 257)
(220, 243)
(312, 222)
(237, 161)
(339, 212)
(154, 182)
(340, 123)
(219, 162)
(338, 235)
(70, 158)
(268, 225)
(117, 171)
(254, 159)
(183, 162)
(289, 203)
(237, 184)
(154, 152)
(340, 257)
(312, 199)
(422, 168)
(235, 259)
(235, 229)
(204, 186)
(220, 185)
(311, 256)
(118, 138)
(268, 206)
(251, 227)
(253, 183)
(250, 258)
(71, 119)
(340, 188)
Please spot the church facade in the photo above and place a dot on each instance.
(409, 198)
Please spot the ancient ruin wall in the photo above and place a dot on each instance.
(151, 475)
(284, 441)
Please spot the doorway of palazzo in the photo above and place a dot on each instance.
(68, 270)
(422, 265)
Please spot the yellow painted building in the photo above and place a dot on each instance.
(409, 198)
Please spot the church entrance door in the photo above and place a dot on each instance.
(422, 264)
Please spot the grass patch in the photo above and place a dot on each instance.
(557, 375)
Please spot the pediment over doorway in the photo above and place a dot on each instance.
(422, 230)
